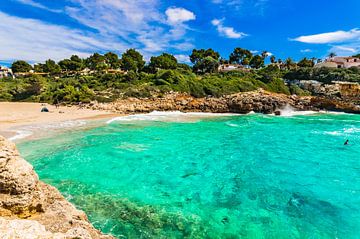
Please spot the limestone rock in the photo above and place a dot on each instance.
(30, 208)
(258, 101)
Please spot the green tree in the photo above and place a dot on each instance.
(112, 60)
(95, 62)
(257, 62)
(306, 62)
(164, 61)
(201, 58)
(272, 59)
(290, 64)
(51, 67)
(240, 56)
(20, 66)
(39, 67)
(75, 63)
(184, 66)
(132, 60)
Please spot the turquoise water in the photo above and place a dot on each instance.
(251, 176)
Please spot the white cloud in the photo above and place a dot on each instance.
(345, 48)
(139, 23)
(228, 32)
(116, 25)
(34, 40)
(306, 51)
(183, 58)
(330, 37)
(38, 5)
(256, 7)
(179, 15)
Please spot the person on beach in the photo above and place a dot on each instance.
(346, 142)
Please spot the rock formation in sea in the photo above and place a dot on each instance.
(259, 101)
(29, 208)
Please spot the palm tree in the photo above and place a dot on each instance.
(332, 54)
(264, 54)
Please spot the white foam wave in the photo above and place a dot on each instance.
(289, 111)
(29, 130)
(171, 116)
(352, 130)
(343, 132)
(232, 124)
(334, 133)
(21, 134)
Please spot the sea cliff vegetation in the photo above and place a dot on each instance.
(108, 77)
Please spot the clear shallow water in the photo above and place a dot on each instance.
(251, 176)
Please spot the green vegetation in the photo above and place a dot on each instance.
(21, 66)
(324, 75)
(108, 77)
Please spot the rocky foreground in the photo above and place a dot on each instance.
(30, 208)
(259, 101)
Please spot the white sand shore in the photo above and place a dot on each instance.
(14, 115)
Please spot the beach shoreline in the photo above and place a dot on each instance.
(18, 118)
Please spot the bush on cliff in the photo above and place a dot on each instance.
(325, 75)
(108, 87)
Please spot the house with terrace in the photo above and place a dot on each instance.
(340, 62)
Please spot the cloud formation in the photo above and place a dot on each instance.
(137, 23)
(34, 40)
(330, 37)
(256, 7)
(115, 24)
(228, 32)
(38, 5)
(179, 15)
(306, 51)
(340, 42)
(183, 58)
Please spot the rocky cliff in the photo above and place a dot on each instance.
(345, 91)
(259, 101)
(30, 208)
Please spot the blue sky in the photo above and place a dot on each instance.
(36, 30)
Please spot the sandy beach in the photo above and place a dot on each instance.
(15, 115)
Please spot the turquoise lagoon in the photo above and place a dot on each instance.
(189, 176)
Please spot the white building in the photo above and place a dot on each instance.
(6, 72)
(340, 62)
(231, 67)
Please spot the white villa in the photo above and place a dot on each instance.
(231, 67)
(6, 72)
(340, 62)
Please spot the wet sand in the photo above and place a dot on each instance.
(14, 115)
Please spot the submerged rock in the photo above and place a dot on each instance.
(29, 207)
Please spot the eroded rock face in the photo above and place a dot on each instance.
(22, 196)
(258, 101)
